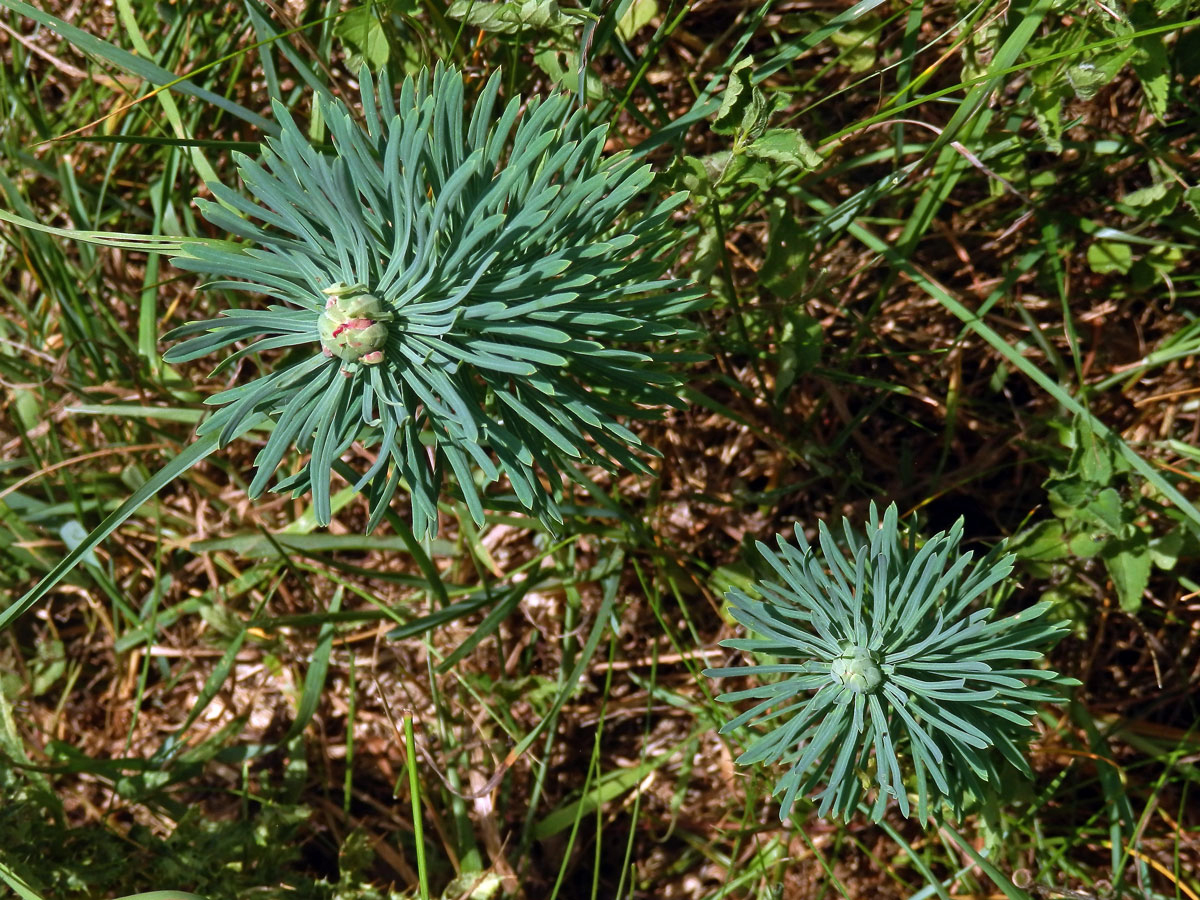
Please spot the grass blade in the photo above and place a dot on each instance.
(135, 65)
(314, 680)
(201, 448)
(18, 885)
(1010, 890)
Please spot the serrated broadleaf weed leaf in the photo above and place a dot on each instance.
(464, 292)
(895, 677)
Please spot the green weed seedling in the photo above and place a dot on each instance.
(891, 675)
(1100, 513)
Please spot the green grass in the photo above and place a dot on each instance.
(979, 301)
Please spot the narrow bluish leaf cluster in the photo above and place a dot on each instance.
(894, 680)
(475, 296)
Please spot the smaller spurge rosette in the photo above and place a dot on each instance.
(892, 681)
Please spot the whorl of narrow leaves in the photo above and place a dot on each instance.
(893, 683)
(463, 295)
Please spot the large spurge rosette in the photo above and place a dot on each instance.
(473, 296)
(893, 682)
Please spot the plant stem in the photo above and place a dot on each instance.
(414, 789)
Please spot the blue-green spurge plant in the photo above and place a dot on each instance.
(477, 295)
(893, 679)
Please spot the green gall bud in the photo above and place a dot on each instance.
(353, 325)
(856, 669)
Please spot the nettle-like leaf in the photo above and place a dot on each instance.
(894, 681)
(473, 295)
